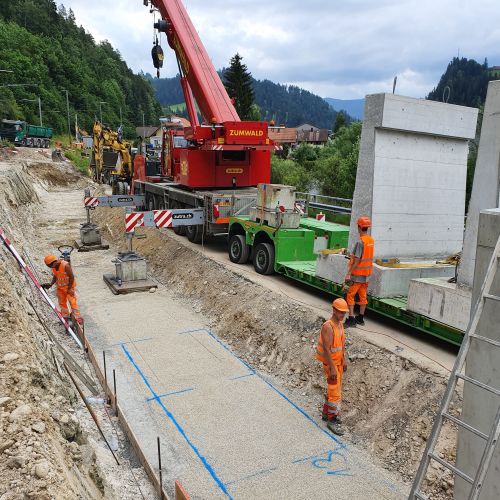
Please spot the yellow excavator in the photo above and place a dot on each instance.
(111, 161)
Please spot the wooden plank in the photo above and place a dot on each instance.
(90, 248)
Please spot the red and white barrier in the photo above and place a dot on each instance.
(90, 202)
(163, 218)
(33, 278)
(133, 220)
(321, 217)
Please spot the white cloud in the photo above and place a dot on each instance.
(343, 49)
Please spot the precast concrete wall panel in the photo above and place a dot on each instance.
(411, 176)
(483, 364)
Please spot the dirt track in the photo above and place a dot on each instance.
(389, 401)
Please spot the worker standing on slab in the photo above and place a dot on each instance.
(330, 352)
(359, 272)
(66, 284)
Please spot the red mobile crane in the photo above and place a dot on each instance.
(208, 164)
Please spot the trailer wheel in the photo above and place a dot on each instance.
(194, 233)
(239, 251)
(263, 258)
(30, 142)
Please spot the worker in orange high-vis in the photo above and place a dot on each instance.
(65, 282)
(330, 352)
(359, 272)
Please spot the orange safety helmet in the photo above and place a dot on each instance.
(340, 305)
(364, 222)
(50, 259)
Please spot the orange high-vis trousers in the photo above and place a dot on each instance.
(333, 398)
(64, 296)
(360, 289)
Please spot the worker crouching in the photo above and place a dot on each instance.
(330, 352)
(66, 284)
(359, 272)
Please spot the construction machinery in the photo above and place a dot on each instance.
(23, 134)
(111, 161)
(215, 162)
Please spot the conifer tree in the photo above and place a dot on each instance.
(238, 83)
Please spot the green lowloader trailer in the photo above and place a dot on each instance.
(23, 134)
(293, 253)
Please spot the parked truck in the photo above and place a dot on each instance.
(23, 134)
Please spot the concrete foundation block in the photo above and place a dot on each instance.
(332, 267)
(90, 234)
(275, 218)
(130, 267)
(385, 282)
(269, 196)
(388, 282)
(439, 300)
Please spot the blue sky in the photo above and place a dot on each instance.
(343, 49)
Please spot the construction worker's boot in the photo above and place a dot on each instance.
(350, 322)
(360, 320)
(335, 426)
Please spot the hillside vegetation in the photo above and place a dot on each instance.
(44, 47)
(285, 104)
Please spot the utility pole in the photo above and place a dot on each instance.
(100, 108)
(40, 110)
(67, 110)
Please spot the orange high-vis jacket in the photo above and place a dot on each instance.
(364, 267)
(337, 349)
(62, 278)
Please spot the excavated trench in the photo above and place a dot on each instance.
(389, 401)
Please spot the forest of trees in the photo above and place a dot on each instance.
(285, 104)
(42, 46)
(464, 82)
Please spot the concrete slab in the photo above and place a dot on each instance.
(227, 431)
(411, 175)
(437, 299)
(385, 282)
(128, 286)
(485, 190)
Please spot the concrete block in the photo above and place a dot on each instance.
(269, 196)
(411, 176)
(332, 267)
(90, 234)
(275, 218)
(130, 267)
(441, 301)
(388, 282)
(384, 282)
(483, 364)
(485, 189)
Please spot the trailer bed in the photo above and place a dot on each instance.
(394, 307)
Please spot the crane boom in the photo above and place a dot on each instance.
(196, 66)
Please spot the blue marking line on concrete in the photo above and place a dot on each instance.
(300, 410)
(130, 342)
(170, 394)
(243, 376)
(203, 460)
(324, 461)
(250, 476)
